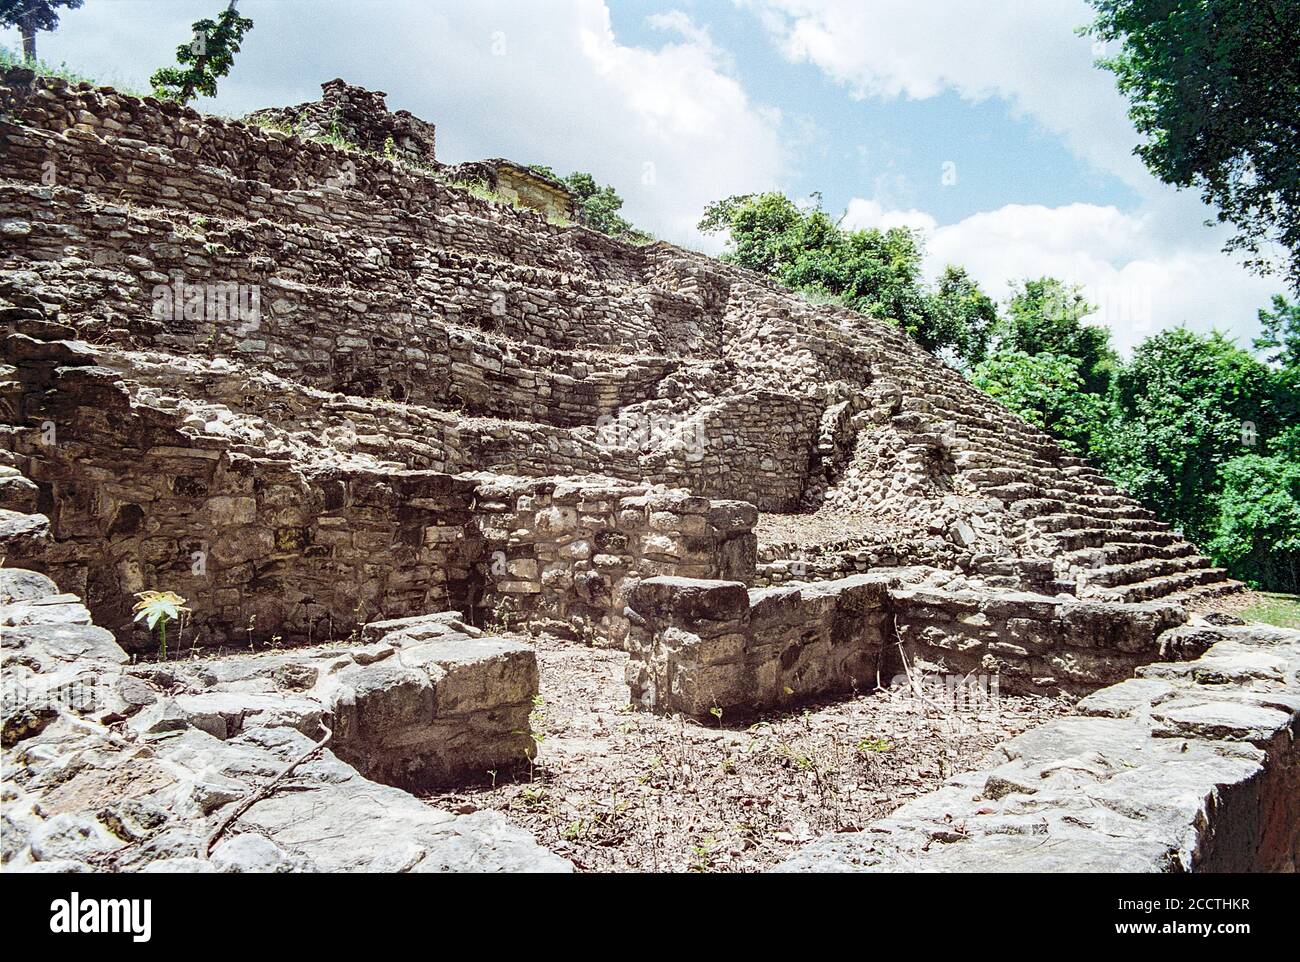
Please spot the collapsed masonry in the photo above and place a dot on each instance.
(312, 389)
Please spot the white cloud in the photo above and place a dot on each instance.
(1025, 52)
(872, 213)
(669, 126)
(1155, 266)
(1141, 272)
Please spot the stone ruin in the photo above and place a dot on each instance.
(376, 429)
(357, 116)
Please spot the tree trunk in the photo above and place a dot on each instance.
(28, 27)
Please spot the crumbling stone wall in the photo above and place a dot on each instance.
(1033, 643)
(421, 703)
(700, 645)
(360, 117)
(143, 496)
(752, 445)
(261, 547)
(519, 185)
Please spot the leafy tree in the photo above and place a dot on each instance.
(1281, 333)
(1257, 531)
(1214, 87)
(1187, 404)
(873, 271)
(1047, 390)
(207, 58)
(1046, 316)
(962, 315)
(598, 204)
(31, 16)
(766, 231)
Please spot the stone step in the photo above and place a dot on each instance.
(384, 200)
(546, 309)
(1121, 552)
(1145, 569)
(1164, 585)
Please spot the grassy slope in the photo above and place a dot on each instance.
(1275, 609)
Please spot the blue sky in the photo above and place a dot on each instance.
(986, 126)
(898, 146)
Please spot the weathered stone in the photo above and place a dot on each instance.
(146, 802)
(1171, 775)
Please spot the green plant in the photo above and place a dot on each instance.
(874, 746)
(537, 718)
(157, 609)
(703, 854)
(1214, 91)
(874, 272)
(1257, 531)
(204, 60)
(1046, 390)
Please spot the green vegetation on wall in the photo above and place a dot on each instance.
(598, 205)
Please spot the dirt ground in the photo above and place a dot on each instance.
(618, 790)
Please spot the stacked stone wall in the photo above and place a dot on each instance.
(1032, 643)
(360, 117)
(699, 646)
(261, 547)
(715, 650)
(564, 556)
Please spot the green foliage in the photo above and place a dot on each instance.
(963, 315)
(1187, 404)
(31, 17)
(204, 60)
(1046, 316)
(1214, 88)
(872, 271)
(598, 205)
(1257, 531)
(1046, 390)
(1281, 333)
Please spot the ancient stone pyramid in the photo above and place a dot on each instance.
(259, 355)
(361, 416)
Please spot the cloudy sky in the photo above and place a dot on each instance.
(986, 125)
